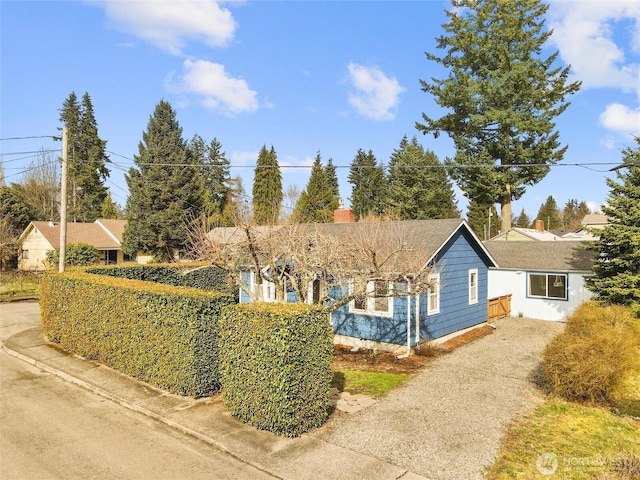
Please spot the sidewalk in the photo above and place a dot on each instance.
(306, 457)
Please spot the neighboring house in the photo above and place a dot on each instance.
(589, 227)
(545, 279)
(42, 237)
(457, 301)
(537, 234)
(595, 221)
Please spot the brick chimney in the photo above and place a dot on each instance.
(343, 215)
(540, 225)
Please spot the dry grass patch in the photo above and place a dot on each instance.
(587, 442)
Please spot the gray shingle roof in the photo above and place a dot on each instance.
(424, 236)
(565, 256)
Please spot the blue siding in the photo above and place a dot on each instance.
(379, 329)
(456, 259)
(243, 297)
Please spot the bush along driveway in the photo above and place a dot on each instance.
(447, 421)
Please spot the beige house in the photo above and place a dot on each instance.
(537, 234)
(41, 237)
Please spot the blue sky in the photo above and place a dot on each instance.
(303, 76)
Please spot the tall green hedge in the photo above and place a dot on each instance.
(197, 275)
(164, 335)
(275, 365)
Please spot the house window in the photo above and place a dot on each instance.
(433, 295)
(473, 286)
(25, 254)
(542, 285)
(377, 301)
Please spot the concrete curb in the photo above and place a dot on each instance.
(305, 457)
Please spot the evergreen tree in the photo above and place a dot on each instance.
(267, 188)
(418, 188)
(483, 219)
(368, 185)
(332, 178)
(616, 269)
(318, 201)
(503, 98)
(15, 211)
(110, 209)
(550, 214)
(523, 220)
(215, 176)
(573, 213)
(164, 193)
(87, 169)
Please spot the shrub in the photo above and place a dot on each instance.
(161, 334)
(597, 350)
(77, 255)
(429, 349)
(196, 275)
(275, 365)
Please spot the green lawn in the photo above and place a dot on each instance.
(18, 284)
(367, 383)
(587, 442)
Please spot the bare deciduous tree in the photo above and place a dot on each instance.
(329, 264)
(41, 185)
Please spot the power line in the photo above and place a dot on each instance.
(31, 152)
(32, 137)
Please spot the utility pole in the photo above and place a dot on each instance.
(63, 201)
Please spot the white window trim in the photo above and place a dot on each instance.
(371, 302)
(547, 275)
(265, 291)
(436, 279)
(473, 289)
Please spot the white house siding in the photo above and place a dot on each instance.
(37, 247)
(514, 282)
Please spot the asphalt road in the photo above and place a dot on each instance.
(50, 429)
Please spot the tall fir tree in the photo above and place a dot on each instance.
(318, 200)
(267, 188)
(215, 177)
(502, 95)
(616, 269)
(483, 219)
(368, 182)
(87, 160)
(523, 220)
(165, 193)
(110, 209)
(550, 214)
(418, 187)
(573, 213)
(332, 178)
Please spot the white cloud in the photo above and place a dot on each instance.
(244, 158)
(169, 24)
(600, 40)
(583, 31)
(376, 95)
(621, 118)
(215, 88)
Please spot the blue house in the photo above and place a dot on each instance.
(393, 315)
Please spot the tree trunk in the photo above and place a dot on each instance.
(505, 210)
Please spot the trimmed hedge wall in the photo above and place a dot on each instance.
(196, 275)
(275, 365)
(162, 334)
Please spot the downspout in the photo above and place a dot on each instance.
(405, 355)
(417, 318)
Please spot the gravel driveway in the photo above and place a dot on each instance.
(447, 421)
